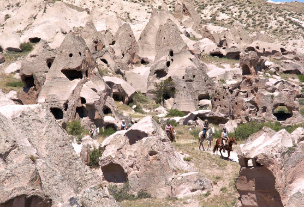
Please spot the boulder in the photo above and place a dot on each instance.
(13, 68)
(214, 118)
(138, 154)
(291, 67)
(39, 165)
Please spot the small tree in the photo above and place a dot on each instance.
(164, 90)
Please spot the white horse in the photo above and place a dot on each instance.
(208, 137)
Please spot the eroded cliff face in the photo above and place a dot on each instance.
(272, 166)
(38, 166)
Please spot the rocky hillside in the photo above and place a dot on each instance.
(88, 86)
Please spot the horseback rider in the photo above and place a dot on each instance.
(168, 128)
(206, 127)
(225, 138)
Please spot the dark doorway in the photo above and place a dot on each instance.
(57, 112)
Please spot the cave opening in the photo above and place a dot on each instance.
(57, 112)
(114, 173)
(245, 70)
(282, 112)
(72, 74)
(82, 112)
(160, 73)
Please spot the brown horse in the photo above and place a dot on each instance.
(171, 135)
(219, 146)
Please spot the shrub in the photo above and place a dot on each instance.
(33, 158)
(207, 194)
(301, 78)
(175, 113)
(139, 98)
(122, 193)
(26, 47)
(139, 109)
(94, 157)
(107, 131)
(224, 189)
(164, 90)
(16, 84)
(75, 128)
(7, 16)
(188, 159)
(243, 131)
(142, 194)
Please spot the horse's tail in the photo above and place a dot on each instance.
(215, 147)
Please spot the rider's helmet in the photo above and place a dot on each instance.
(224, 128)
(206, 120)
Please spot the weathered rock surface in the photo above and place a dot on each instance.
(272, 169)
(256, 98)
(145, 157)
(39, 165)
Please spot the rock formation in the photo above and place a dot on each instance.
(38, 166)
(271, 169)
(145, 157)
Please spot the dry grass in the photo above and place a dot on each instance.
(8, 78)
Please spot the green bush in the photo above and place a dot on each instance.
(75, 128)
(7, 16)
(142, 194)
(187, 159)
(107, 131)
(26, 47)
(94, 157)
(175, 113)
(164, 90)
(301, 78)
(139, 109)
(16, 84)
(139, 98)
(122, 193)
(243, 131)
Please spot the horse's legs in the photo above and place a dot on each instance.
(221, 151)
(228, 154)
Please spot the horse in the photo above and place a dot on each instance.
(220, 147)
(208, 137)
(171, 134)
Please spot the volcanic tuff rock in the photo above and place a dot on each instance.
(257, 98)
(145, 157)
(272, 169)
(38, 163)
(68, 82)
